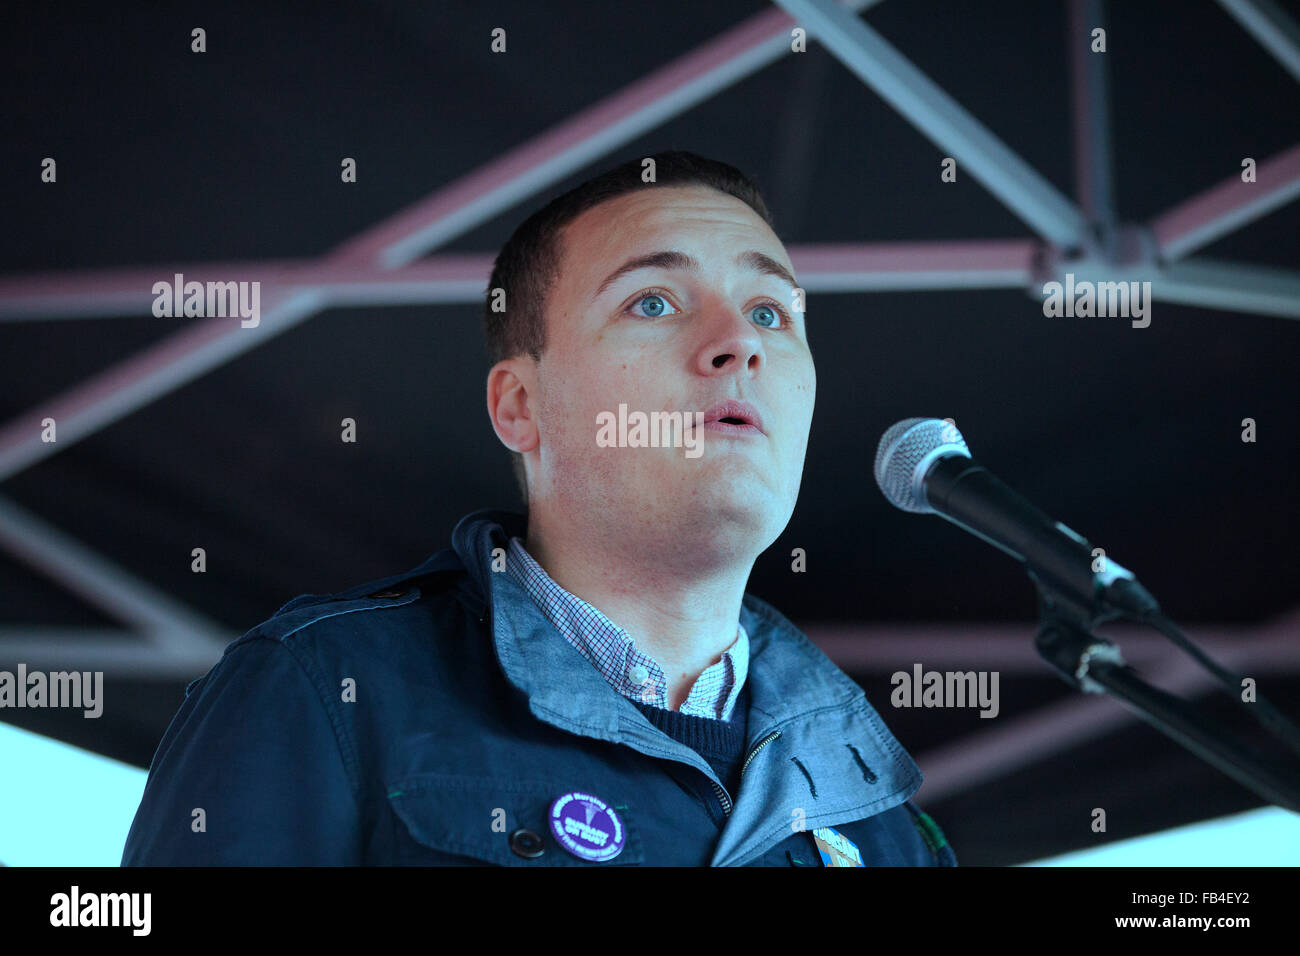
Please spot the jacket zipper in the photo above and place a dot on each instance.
(722, 794)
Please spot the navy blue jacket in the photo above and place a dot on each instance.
(432, 718)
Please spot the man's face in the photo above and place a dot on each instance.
(667, 337)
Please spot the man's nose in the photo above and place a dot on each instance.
(731, 342)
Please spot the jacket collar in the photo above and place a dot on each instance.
(849, 764)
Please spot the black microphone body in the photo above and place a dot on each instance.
(972, 497)
(923, 465)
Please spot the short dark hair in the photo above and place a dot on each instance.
(529, 262)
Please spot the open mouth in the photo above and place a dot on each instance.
(733, 417)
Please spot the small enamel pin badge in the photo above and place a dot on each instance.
(835, 848)
(587, 827)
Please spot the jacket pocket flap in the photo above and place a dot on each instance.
(478, 817)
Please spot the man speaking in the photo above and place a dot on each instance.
(585, 684)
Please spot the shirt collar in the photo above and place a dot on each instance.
(613, 652)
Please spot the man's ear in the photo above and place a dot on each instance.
(511, 387)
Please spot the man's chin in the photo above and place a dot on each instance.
(739, 510)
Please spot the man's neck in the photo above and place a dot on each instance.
(682, 616)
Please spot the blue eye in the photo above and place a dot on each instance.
(654, 305)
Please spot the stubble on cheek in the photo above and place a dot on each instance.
(581, 473)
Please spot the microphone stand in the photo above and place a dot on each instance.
(1092, 664)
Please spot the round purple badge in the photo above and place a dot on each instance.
(587, 827)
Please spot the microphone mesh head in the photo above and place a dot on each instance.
(906, 452)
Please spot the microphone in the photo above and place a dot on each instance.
(923, 466)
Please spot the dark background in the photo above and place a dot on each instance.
(1130, 436)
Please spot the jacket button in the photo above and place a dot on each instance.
(387, 594)
(527, 844)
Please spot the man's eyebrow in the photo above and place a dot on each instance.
(655, 260)
(671, 259)
(766, 265)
